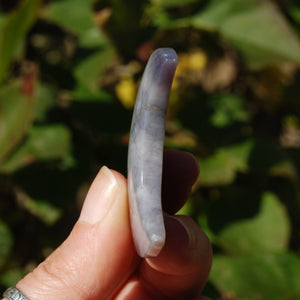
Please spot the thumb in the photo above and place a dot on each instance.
(98, 256)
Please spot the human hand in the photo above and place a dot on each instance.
(98, 260)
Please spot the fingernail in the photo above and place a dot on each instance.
(100, 197)
(189, 236)
(177, 228)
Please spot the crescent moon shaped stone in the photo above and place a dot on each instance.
(145, 153)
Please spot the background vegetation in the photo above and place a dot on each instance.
(69, 71)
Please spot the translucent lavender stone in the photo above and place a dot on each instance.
(145, 152)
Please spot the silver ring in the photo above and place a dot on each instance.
(13, 293)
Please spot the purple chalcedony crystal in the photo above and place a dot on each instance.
(145, 152)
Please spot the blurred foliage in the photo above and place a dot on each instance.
(69, 72)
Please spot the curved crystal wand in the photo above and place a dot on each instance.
(145, 152)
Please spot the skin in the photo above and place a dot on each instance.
(98, 260)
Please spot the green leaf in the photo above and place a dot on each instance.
(90, 69)
(268, 232)
(221, 168)
(78, 20)
(259, 277)
(13, 31)
(45, 211)
(43, 143)
(83, 94)
(256, 28)
(16, 116)
(6, 241)
(228, 109)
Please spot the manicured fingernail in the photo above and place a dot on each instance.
(100, 197)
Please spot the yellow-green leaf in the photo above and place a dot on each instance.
(267, 232)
